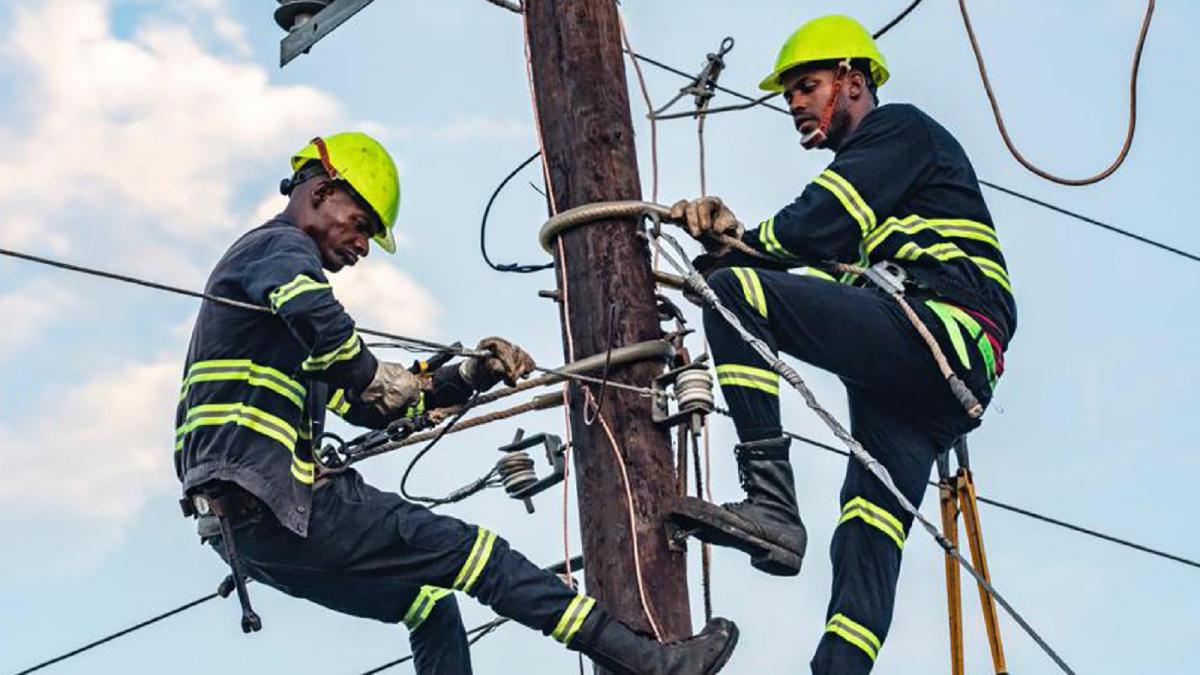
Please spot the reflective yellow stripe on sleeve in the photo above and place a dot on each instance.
(854, 633)
(875, 516)
(770, 244)
(751, 289)
(572, 618)
(732, 375)
(853, 202)
(422, 606)
(343, 352)
(302, 283)
(476, 561)
(338, 403)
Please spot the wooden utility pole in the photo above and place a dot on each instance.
(583, 108)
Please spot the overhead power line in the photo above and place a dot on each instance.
(899, 17)
(1058, 209)
(124, 631)
(1030, 514)
(125, 278)
(1092, 221)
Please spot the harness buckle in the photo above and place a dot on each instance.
(888, 276)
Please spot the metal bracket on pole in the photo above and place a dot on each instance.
(301, 38)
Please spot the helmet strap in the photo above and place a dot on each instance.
(818, 136)
(323, 152)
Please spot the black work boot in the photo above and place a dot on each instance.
(767, 523)
(613, 645)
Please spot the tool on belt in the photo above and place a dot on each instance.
(214, 507)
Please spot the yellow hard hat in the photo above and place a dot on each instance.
(361, 161)
(829, 38)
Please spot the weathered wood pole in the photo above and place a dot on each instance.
(583, 109)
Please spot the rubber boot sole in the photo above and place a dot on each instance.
(723, 658)
(718, 526)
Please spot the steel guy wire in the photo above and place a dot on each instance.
(697, 285)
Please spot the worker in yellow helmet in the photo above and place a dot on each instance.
(899, 191)
(255, 390)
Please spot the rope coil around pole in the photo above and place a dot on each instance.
(591, 213)
(698, 286)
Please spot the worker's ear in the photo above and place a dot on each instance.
(322, 192)
(856, 85)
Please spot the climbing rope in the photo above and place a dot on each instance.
(700, 288)
(1008, 142)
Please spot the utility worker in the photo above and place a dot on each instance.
(899, 189)
(244, 430)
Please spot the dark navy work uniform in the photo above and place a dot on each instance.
(242, 419)
(902, 189)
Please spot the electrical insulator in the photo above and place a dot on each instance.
(291, 14)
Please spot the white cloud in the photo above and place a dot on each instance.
(28, 311)
(113, 456)
(380, 296)
(152, 134)
(483, 128)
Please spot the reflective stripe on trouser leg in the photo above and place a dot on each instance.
(866, 550)
(752, 291)
(572, 618)
(750, 389)
(874, 516)
(420, 608)
(855, 633)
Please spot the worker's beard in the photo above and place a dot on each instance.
(839, 127)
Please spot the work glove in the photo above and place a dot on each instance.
(706, 219)
(507, 362)
(392, 390)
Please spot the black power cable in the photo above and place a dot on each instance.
(1030, 514)
(1092, 221)
(124, 631)
(410, 342)
(516, 268)
(899, 17)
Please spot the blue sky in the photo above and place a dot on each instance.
(143, 138)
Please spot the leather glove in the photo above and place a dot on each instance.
(508, 362)
(392, 390)
(707, 218)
